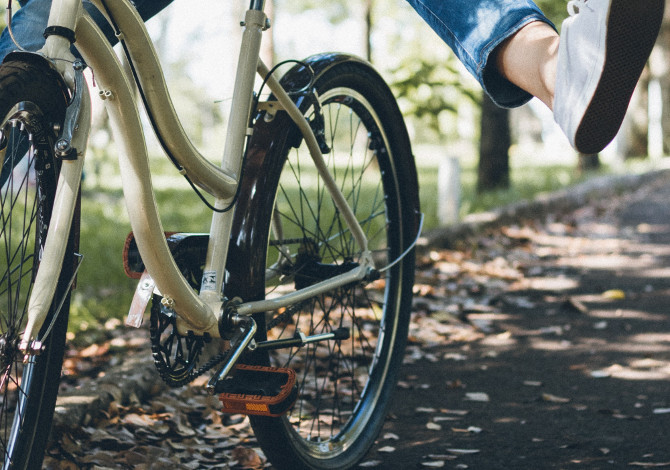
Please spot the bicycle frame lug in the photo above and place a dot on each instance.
(372, 275)
(230, 318)
(33, 348)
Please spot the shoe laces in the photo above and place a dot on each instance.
(575, 6)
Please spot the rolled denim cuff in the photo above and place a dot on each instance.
(473, 29)
(503, 92)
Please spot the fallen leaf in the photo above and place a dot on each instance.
(387, 449)
(614, 294)
(422, 409)
(601, 325)
(532, 383)
(600, 374)
(437, 419)
(554, 399)
(464, 451)
(477, 396)
(246, 457)
(370, 463)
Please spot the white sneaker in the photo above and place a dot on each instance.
(603, 48)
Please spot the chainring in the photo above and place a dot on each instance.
(175, 355)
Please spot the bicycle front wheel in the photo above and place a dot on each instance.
(344, 386)
(32, 105)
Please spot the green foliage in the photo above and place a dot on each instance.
(555, 10)
(425, 89)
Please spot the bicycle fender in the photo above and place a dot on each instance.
(45, 64)
(296, 80)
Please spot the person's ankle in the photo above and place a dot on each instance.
(528, 59)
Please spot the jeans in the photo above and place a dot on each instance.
(473, 29)
(31, 19)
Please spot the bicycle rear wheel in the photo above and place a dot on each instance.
(32, 102)
(344, 386)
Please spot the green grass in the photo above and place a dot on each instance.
(104, 292)
(527, 182)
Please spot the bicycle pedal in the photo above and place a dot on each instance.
(258, 390)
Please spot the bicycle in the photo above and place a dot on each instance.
(304, 280)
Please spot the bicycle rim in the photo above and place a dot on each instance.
(344, 386)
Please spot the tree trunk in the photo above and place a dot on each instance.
(660, 65)
(588, 162)
(495, 141)
(368, 29)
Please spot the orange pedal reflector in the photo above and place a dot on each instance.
(258, 390)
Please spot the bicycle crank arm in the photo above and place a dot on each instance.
(300, 340)
(242, 339)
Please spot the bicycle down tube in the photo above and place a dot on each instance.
(200, 312)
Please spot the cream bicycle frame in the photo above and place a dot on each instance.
(197, 312)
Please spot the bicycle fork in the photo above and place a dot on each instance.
(70, 147)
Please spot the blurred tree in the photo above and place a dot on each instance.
(426, 89)
(495, 138)
(494, 143)
(368, 6)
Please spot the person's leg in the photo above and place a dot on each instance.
(587, 77)
(528, 59)
(28, 26)
(475, 30)
(30, 20)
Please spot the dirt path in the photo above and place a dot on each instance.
(537, 346)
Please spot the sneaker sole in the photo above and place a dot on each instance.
(632, 30)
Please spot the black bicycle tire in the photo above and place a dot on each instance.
(266, 157)
(43, 96)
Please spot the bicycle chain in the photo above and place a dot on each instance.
(164, 371)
